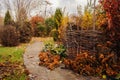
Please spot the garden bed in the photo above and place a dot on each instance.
(85, 63)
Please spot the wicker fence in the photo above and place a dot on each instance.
(77, 40)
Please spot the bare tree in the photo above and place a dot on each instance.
(0, 9)
(46, 3)
(21, 9)
(92, 4)
(79, 10)
(94, 17)
(6, 4)
(79, 18)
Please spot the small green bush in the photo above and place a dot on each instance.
(50, 24)
(55, 49)
(55, 34)
(36, 32)
(59, 50)
(41, 30)
(9, 36)
(25, 31)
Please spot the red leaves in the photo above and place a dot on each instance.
(112, 9)
(111, 5)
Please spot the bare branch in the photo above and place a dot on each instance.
(21, 8)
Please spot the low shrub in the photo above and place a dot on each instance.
(26, 32)
(50, 24)
(56, 49)
(86, 64)
(49, 60)
(9, 36)
(55, 34)
(59, 50)
(52, 55)
(36, 32)
(41, 30)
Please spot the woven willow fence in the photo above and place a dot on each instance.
(77, 40)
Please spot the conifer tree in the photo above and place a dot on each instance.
(7, 19)
(58, 17)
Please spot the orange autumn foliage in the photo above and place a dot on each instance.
(49, 60)
(36, 19)
(87, 64)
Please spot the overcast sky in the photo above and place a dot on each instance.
(71, 5)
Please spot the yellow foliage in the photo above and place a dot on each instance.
(65, 21)
(101, 19)
(62, 28)
(86, 20)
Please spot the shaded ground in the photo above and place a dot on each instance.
(31, 61)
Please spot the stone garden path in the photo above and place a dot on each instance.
(31, 61)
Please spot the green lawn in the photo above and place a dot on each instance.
(11, 63)
(11, 60)
(11, 53)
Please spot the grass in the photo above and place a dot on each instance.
(13, 56)
(48, 40)
(44, 40)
